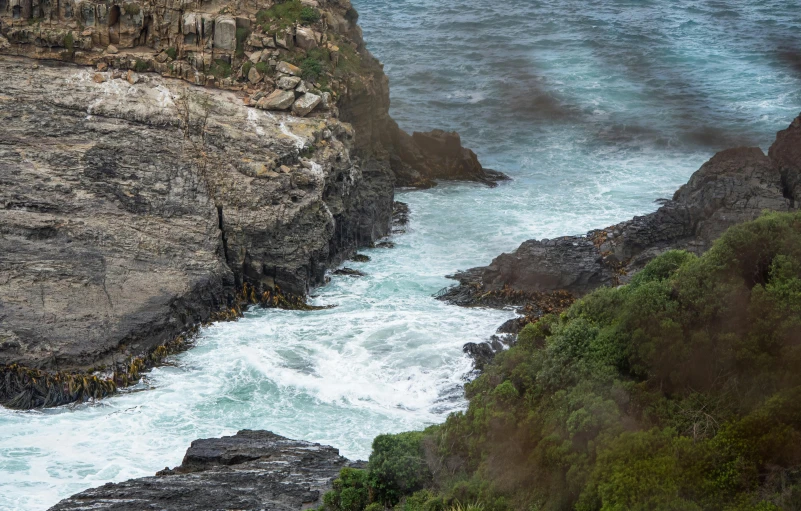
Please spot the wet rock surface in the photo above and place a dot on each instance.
(130, 212)
(248, 471)
(735, 186)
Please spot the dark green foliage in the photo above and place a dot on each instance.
(171, 52)
(241, 36)
(314, 64)
(397, 466)
(69, 42)
(220, 69)
(679, 391)
(263, 68)
(309, 15)
(141, 66)
(246, 68)
(285, 14)
(350, 491)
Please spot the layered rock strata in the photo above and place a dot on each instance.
(735, 186)
(252, 470)
(303, 56)
(130, 212)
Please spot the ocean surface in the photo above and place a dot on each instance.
(594, 108)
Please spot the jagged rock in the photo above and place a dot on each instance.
(285, 41)
(254, 76)
(277, 100)
(302, 88)
(139, 230)
(132, 78)
(255, 57)
(305, 104)
(98, 78)
(306, 38)
(288, 82)
(4, 44)
(251, 470)
(349, 272)
(112, 50)
(287, 68)
(735, 186)
(786, 155)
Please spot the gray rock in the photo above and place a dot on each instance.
(288, 82)
(277, 100)
(128, 224)
(288, 69)
(225, 33)
(305, 104)
(254, 76)
(252, 470)
(735, 186)
(306, 38)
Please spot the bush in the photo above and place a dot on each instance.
(350, 491)
(681, 390)
(397, 466)
(285, 14)
(220, 69)
(131, 9)
(140, 66)
(241, 36)
(171, 52)
(309, 15)
(246, 68)
(69, 41)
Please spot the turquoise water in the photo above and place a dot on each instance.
(595, 109)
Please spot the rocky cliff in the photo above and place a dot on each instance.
(735, 186)
(131, 212)
(251, 470)
(163, 163)
(303, 56)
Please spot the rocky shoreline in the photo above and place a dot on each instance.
(250, 470)
(147, 195)
(544, 276)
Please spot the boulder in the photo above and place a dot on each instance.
(132, 77)
(305, 104)
(250, 470)
(225, 33)
(254, 76)
(285, 40)
(288, 69)
(112, 50)
(288, 82)
(306, 38)
(277, 100)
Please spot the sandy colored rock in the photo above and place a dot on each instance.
(305, 104)
(254, 76)
(287, 68)
(288, 82)
(112, 50)
(133, 78)
(98, 78)
(277, 100)
(306, 38)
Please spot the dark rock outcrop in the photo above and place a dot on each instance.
(130, 212)
(735, 186)
(252, 470)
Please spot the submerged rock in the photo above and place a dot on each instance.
(349, 272)
(735, 186)
(251, 470)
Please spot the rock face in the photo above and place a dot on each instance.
(735, 186)
(252, 470)
(129, 213)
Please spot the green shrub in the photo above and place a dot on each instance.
(681, 390)
(69, 41)
(246, 68)
(350, 491)
(140, 66)
(397, 466)
(263, 68)
(171, 52)
(309, 15)
(241, 36)
(220, 69)
(285, 14)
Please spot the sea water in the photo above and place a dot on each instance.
(594, 108)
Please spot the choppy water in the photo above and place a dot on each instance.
(596, 108)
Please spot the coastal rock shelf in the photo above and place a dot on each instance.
(735, 186)
(250, 470)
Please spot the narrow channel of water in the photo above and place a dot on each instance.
(595, 108)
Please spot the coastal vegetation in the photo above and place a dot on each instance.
(680, 390)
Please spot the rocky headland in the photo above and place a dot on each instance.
(545, 276)
(250, 470)
(735, 186)
(164, 165)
